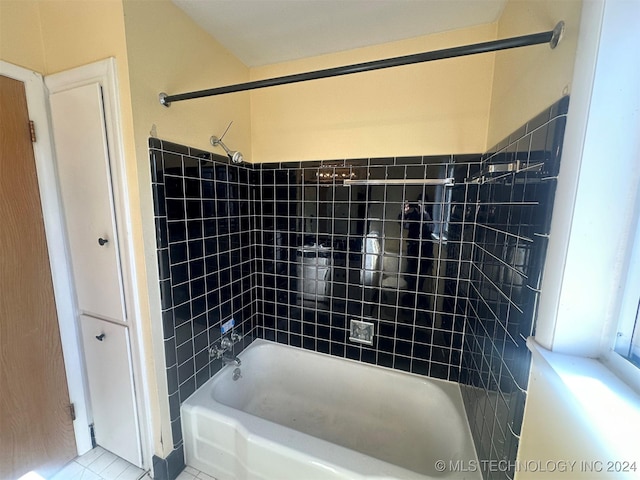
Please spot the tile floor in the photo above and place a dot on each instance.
(100, 464)
(192, 474)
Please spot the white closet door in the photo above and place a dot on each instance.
(106, 352)
(85, 181)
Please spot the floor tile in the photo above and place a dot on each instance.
(113, 471)
(102, 462)
(71, 471)
(186, 476)
(88, 475)
(131, 473)
(204, 476)
(90, 456)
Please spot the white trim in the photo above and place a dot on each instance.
(590, 263)
(593, 221)
(104, 73)
(623, 337)
(608, 406)
(54, 231)
(623, 369)
(553, 280)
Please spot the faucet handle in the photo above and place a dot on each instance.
(226, 343)
(235, 337)
(216, 352)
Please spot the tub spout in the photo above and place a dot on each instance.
(230, 359)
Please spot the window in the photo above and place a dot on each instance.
(627, 342)
(634, 350)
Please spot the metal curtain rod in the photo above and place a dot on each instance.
(551, 37)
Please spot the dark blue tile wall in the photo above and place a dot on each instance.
(512, 226)
(203, 232)
(229, 244)
(417, 313)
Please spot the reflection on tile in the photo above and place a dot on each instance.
(400, 282)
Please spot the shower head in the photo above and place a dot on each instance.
(235, 156)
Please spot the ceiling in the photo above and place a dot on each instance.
(263, 32)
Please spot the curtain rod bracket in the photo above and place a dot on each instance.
(163, 100)
(556, 36)
(551, 37)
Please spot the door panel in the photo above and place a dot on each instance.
(108, 359)
(84, 172)
(36, 430)
(85, 184)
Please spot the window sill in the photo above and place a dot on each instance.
(610, 407)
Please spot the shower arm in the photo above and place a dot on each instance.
(551, 37)
(235, 156)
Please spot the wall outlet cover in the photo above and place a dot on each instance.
(361, 332)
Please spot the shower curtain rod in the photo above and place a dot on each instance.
(551, 37)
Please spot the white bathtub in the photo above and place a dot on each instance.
(299, 415)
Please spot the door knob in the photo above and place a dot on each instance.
(102, 241)
(100, 337)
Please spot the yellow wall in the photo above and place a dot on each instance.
(431, 108)
(161, 50)
(49, 36)
(527, 80)
(168, 52)
(21, 34)
(79, 33)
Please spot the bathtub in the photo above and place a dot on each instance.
(300, 415)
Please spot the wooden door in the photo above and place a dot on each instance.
(36, 430)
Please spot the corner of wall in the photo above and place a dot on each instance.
(488, 145)
(167, 51)
(536, 76)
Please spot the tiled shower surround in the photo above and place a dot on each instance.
(308, 296)
(293, 254)
(512, 226)
(204, 232)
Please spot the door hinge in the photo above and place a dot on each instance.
(72, 411)
(32, 130)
